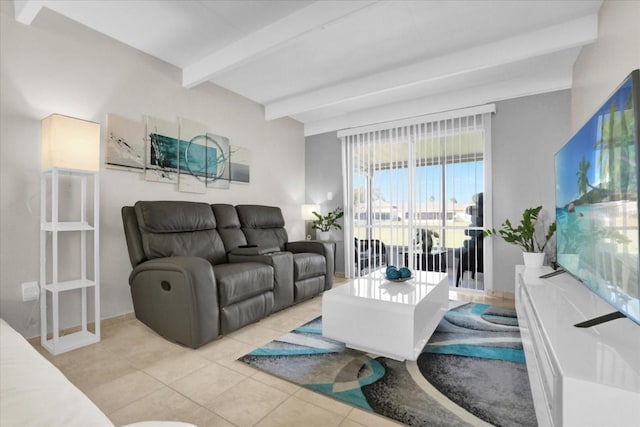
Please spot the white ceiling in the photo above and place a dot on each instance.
(340, 64)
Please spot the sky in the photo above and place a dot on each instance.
(464, 180)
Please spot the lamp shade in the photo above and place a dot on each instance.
(70, 143)
(307, 212)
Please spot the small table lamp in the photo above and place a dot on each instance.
(307, 215)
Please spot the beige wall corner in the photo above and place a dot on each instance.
(601, 66)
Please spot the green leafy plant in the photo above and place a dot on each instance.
(328, 221)
(524, 235)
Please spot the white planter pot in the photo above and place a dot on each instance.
(323, 235)
(533, 259)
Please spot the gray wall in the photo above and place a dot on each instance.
(323, 166)
(526, 133)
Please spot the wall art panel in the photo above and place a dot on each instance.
(125, 145)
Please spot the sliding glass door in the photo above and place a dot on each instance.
(417, 189)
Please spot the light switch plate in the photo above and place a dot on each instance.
(30, 291)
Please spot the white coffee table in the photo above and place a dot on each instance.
(390, 319)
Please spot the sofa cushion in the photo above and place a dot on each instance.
(305, 289)
(228, 226)
(240, 281)
(235, 316)
(307, 264)
(263, 225)
(172, 228)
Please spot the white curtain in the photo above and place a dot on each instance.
(413, 185)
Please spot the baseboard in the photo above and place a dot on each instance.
(501, 294)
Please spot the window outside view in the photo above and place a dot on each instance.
(438, 194)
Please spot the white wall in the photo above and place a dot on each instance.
(56, 65)
(601, 66)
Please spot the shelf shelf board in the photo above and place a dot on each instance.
(70, 342)
(69, 285)
(67, 226)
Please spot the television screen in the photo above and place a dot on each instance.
(597, 201)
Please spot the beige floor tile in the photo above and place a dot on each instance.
(87, 375)
(88, 355)
(224, 348)
(162, 405)
(297, 412)
(255, 335)
(133, 329)
(240, 367)
(306, 314)
(142, 347)
(177, 366)
(275, 382)
(370, 420)
(216, 421)
(204, 385)
(350, 423)
(325, 402)
(315, 302)
(120, 392)
(248, 402)
(109, 329)
(283, 321)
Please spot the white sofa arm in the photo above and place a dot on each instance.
(33, 392)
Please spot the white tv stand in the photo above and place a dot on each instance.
(579, 376)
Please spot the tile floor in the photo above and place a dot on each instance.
(135, 375)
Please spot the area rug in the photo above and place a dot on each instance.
(471, 372)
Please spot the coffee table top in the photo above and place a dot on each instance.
(375, 286)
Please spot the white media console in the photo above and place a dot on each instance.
(579, 376)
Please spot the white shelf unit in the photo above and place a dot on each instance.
(50, 285)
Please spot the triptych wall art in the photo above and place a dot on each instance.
(182, 153)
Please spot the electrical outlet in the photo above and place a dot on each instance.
(30, 291)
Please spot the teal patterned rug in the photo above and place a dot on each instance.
(471, 372)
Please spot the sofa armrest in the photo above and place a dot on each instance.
(177, 297)
(282, 263)
(326, 249)
(254, 250)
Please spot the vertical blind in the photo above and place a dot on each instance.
(413, 185)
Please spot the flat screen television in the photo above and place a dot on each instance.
(596, 173)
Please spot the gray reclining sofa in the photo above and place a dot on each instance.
(201, 271)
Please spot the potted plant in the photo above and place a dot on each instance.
(525, 236)
(325, 223)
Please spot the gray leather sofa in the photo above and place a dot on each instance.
(201, 271)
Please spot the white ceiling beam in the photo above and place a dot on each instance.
(25, 11)
(541, 42)
(260, 42)
(478, 95)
